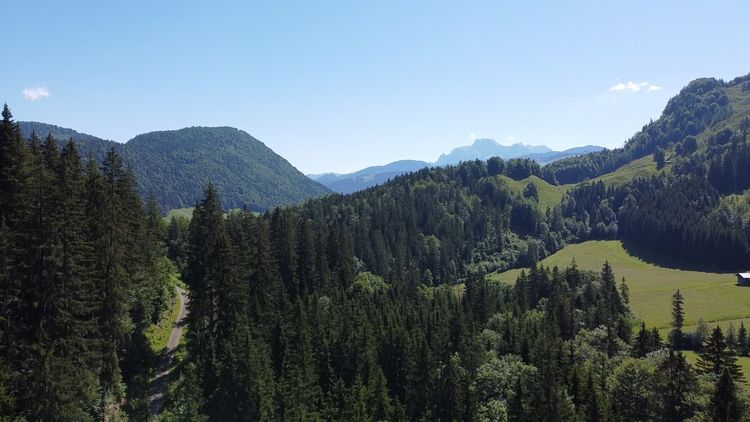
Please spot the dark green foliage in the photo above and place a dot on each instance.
(109, 235)
(314, 336)
(91, 146)
(343, 309)
(79, 284)
(725, 406)
(174, 166)
(659, 158)
(743, 342)
(176, 239)
(521, 168)
(215, 300)
(445, 220)
(646, 341)
(679, 213)
(689, 145)
(676, 336)
(531, 191)
(716, 357)
(670, 215)
(676, 383)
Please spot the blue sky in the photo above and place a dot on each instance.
(340, 85)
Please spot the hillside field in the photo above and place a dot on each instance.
(642, 167)
(549, 195)
(652, 286)
(180, 212)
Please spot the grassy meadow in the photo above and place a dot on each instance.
(549, 195)
(712, 296)
(180, 212)
(644, 166)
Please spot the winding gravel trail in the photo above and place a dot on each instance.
(159, 385)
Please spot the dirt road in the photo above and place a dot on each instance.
(166, 360)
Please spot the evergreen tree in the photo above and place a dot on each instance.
(716, 357)
(724, 404)
(14, 175)
(676, 383)
(74, 310)
(594, 411)
(13, 168)
(659, 158)
(676, 336)
(656, 341)
(65, 300)
(106, 193)
(732, 338)
(642, 342)
(743, 342)
(625, 291)
(216, 300)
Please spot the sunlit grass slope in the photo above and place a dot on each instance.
(711, 296)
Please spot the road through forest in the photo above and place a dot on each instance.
(166, 360)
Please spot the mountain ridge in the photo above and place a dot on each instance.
(175, 166)
(484, 148)
(480, 149)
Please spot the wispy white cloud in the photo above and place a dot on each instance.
(35, 93)
(631, 86)
(473, 136)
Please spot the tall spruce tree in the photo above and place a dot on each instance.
(743, 342)
(74, 314)
(724, 405)
(216, 300)
(66, 237)
(716, 357)
(105, 206)
(676, 383)
(676, 336)
(14, 172)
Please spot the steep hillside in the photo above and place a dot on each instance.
(547, 195)
(176, 166)
(685, 198)
(705, 112)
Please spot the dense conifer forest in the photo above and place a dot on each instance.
(83, 274)
(371, 306)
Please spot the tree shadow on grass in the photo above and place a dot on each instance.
(664, 261)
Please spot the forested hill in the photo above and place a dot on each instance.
(176, 165)
(338, 309)
(694, 113)
(694, 206)
(89, 145)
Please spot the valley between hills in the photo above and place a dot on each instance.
(488, 289)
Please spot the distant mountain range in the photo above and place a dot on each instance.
(176, 166)
(370, 176)
(486, 148)
(481, 149)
